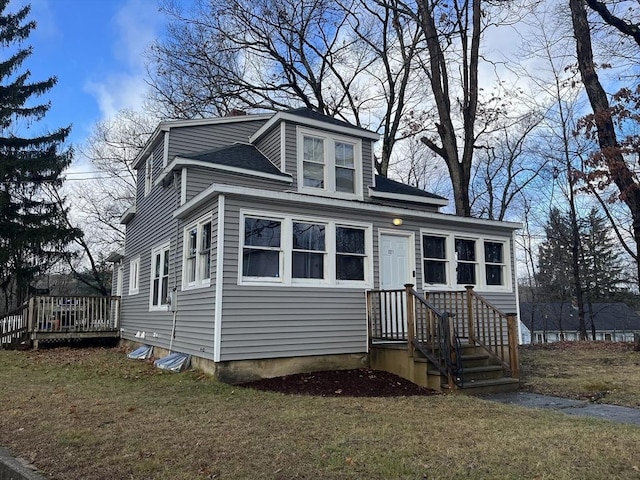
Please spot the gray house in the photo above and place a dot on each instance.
(558, 321)
(254, 239)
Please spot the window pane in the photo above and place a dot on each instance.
(433, 247)
(349, 240)
(165, 291)
(492, 252)
(313, 175)
(193, 241)
(344, 180)
(260, 263)
(434, 272)
(154, 298)
(206, 237)
(344, 155)
(313, 149)
(260, 232)
(349, 267)
(307, 265)
(191, 269)
(466, 249)
(494, 275)
(156, 270)
(466, 273)
(307, 236)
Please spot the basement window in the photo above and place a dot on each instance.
(141, 353)
(174, 362)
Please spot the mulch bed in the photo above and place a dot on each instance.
(362, 382)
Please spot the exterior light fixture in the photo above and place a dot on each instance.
(397, 222)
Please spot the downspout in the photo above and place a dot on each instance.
(173, 296)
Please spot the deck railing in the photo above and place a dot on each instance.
(404, 315)
(13, 326)
(482, 324)
(73, 313)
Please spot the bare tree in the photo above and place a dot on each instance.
(352, 59)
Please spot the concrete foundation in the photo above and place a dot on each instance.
(239, 371)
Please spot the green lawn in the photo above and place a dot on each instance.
(94, 414)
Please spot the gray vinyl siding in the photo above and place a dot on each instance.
(183, 140)
(269, 146)
(152, 226)
(199, 178)
(285, 321)
(291, 159)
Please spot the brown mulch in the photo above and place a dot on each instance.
(362, 382)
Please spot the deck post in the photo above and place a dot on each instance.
(514, 360)
(411, 318)
(470, 315)
(31, 314)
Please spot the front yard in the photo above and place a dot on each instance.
(94, 414)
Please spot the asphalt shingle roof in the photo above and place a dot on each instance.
(238, 155)
(386, 185)
(313, 115)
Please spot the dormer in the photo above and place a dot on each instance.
(325, 156)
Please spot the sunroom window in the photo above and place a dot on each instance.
(350, 253)
(308, 250)
(494, 263)
(435, 259)
(466, 265)
(261, 253)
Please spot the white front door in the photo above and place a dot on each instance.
(396, 270)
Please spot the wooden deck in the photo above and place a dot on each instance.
(61, 318)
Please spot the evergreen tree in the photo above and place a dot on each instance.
(33, 234)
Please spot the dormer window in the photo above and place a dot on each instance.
(329, 164)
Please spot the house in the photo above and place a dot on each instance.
(558, 321)
(254, 240)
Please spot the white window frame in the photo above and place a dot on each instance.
(480, 264)
(446, 260)
(330, 140)
(164, 250)
(201, 279)
(134, 276)
(119, 280)
(148, 175)
(286, 252)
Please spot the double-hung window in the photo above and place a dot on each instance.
(434, 254)
(308, 250)
(262, 252)
(466, 261)
(292, 250)
(159, 278)
(134, 276)
(329, 164)
(148, 174)
(197, 255)
(350, 253)
(452, 261)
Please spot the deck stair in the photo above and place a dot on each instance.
(458, 344)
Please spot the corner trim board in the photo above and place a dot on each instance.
(217, 333)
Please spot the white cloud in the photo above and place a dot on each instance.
(135, 24)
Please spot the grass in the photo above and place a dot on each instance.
(93, 414)
(603, 372)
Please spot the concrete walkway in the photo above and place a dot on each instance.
(581, 408)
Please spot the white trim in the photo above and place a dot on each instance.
(169, 124)
(198, 282)
(283, 148)
(216, 189)
(186, 162)
(183, 186)
(451, 262)
(165, 246)
(148, 175)
(120, 280)
(517, 290)
(291, 117)
(409, 198)
(329, 145)
(134, 261)
(128, 215)
(217, 338)
(286, 248)
(411, 253)
(165, 151)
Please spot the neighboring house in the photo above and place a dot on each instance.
(558, 321)
(254, 238)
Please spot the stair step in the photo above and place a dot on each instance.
(494, 385)
(476, 373)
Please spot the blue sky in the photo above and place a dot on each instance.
(95, 49)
